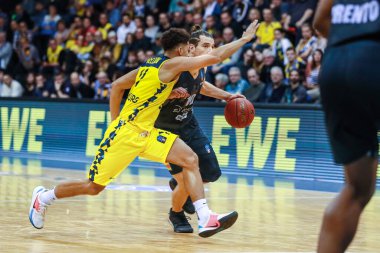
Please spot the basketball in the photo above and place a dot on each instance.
(239, 112)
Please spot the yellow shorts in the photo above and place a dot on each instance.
(122, 143)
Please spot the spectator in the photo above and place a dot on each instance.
(312, 74)
(38, 15)
(295, 92)
(299, 13)
(88, 27)
(142, 42)
(151, 28)
(256, 87)
(247, 62)
(112, 13)
(87, 75)
(10, 87)
(211, 8)
(114, 47)
(106, 64)
(258, 60)
(265, 32)
(221, 80)
(269, 63)
(295, 63)
(81, 48)
(197, 20)
(211, 26)
(141, 56)
(28, 56)
(75, 29)
(77, 89)
(102, 86)
(227, 21)
(104, 26)
(274, 91)
(22, 31)
(237, 84)
(307, 43)
(240, 10)
(51, 65)
(228, 36)
(62, 31)
(128, 26)
(41, 87)
(280, 45)
(20, 15)
(128, 8)
(140, 8)
(132, 62)
(47, 28)
(5, 51)
(58, 90)
(279, 10)
(30, 85)
(164, 22)
(178, 20)
(254, 14)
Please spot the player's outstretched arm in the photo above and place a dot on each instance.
(118, 87)
(212, 91)
(322, 19)
(180, 64)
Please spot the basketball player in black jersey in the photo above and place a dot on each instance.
(350, 91)
(177, 117)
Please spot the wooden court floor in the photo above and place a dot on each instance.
(131, 216)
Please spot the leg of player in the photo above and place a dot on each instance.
(179, 194)
(176, 214)
(341, 217)
(42, 197)
(177, 198)
(209, 223)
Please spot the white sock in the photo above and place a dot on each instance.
(202, 210)
(48, 197)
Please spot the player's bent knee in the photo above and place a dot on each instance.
(94, 189)
(191, 161)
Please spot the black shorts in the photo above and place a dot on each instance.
(193, 136)
(350, 92)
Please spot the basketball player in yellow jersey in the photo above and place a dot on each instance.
(133, 134)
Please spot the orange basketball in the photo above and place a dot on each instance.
(239, 112)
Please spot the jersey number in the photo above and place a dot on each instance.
(141, 76)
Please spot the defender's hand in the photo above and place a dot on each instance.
(249, 34)
(179, 93)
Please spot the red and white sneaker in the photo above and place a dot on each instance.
(37, 208)
(217, 223)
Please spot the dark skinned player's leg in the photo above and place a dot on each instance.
(341, 217)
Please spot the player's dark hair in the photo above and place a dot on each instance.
(196, 33)
(174, 37)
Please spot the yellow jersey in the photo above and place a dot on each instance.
(147, 95)
(266, 32)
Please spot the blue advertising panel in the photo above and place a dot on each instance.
(281, 143)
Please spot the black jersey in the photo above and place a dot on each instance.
(354, 19)
(175, 113)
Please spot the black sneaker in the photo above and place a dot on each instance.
(179, 222)
(188, 207)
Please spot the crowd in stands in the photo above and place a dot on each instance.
(76, 48)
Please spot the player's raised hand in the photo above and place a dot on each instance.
(250, 31)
